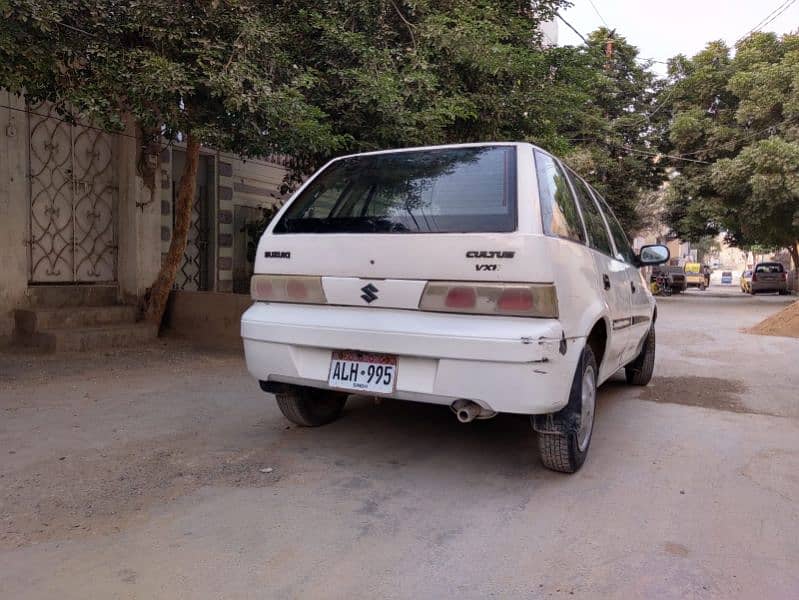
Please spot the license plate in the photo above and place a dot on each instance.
(363, 372)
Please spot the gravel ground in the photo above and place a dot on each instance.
(163, 472)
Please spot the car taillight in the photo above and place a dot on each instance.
(784, 276)
(461, 297)
(511, 299)
(287, 288)
(754, 276)
(516, 299)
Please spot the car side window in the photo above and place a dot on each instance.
(598, 236)
(624, 251)
(558, 210)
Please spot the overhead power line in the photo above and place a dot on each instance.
(570, 26)
(598, 14)
(739, 139)
(772, 19)
(769, 18)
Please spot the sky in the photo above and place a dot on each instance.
(664, 28)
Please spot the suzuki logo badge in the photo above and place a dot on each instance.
(369, 293)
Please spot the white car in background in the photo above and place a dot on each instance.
(485, 277)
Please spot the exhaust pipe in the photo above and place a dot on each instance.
(467, 411)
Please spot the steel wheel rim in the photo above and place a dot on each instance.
(588, 397)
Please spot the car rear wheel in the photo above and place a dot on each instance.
(639, 371)
(563, 444)
(309, 407)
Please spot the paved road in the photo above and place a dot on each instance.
(138, 474)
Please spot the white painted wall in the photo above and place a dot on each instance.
(13, 208)
(138, 224)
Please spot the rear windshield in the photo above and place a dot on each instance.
(769, 268)
(446, 190)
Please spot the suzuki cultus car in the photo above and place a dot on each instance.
(485, 277)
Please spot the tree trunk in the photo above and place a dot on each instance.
(793, 250)
(159, 292)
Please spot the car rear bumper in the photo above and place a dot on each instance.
(769, 286)
(505, 364)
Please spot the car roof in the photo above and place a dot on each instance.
(438, 147)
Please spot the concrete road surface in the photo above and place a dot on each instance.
(146, 474)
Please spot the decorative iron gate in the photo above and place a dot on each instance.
(193, 272)
(72, 201)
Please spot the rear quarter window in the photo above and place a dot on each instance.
(558, 209)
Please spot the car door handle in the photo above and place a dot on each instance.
(632, 286)
(606, 281)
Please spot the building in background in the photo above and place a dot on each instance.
(79, 228)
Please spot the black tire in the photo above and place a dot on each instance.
(310, 407)
(560, 451)
(639, 371)
(752, 291)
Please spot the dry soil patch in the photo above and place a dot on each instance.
(104, 491)
(784, 323)
(707, 392)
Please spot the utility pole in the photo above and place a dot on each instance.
(609, 49)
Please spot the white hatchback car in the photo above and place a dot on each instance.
(485, 277)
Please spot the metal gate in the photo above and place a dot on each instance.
(193, 272)
(72, 201)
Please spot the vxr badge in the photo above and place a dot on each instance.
(369, 293)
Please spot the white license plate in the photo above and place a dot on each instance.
(363, 372)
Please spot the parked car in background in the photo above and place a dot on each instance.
(769, 277)
(746, 280)
(694, 277)
(674, 276)
(483, 277)
(726, 277)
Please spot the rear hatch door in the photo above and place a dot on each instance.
(377, 227)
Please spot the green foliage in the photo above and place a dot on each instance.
(739, 117)
(761, 185)
(615, 126)
(312, 80)
(217, 70)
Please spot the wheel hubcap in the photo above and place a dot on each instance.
(587, 408)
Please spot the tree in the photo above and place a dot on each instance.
(398, 73)
(761, 186)
(616, 130)
(412, 73)
(736, 124)
(213, 72)
(309, 80)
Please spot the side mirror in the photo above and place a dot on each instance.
(653, 255)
